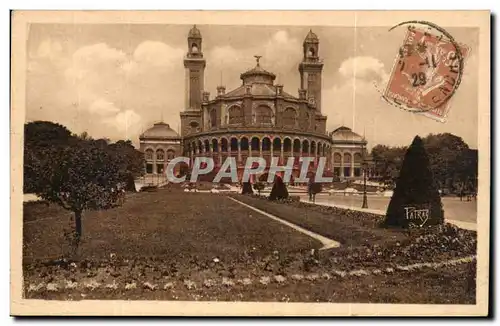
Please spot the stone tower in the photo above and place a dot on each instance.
(310, 70)
(195, 70)
(191, 117)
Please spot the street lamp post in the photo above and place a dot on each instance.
(364, 163)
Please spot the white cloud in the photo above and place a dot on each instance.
(368, 68)
(103, 107)
(94, 62)
(356, 95)
(126, 122)
(281, 54)
(157, 54)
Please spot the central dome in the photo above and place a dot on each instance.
(257, 75)
(346, 134)
(160, 130)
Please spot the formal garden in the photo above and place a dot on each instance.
(86, 240)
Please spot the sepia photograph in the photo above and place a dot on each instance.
(250, 163)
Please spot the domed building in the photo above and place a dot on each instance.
(348, 149)
(159, 144)
(258, 118)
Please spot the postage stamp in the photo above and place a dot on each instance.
(427, 71)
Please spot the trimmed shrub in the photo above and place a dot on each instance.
(279, 190)
(415, 190)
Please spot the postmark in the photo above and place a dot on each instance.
(427, 71)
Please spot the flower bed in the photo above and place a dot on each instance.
(364, 243)
(444, 282)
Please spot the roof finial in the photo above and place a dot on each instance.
(258, 59)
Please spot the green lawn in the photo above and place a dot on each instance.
(349, 229)
(162, 224)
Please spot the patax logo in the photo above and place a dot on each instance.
(417, 217)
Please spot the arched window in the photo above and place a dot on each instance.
(305, 147)
(358, 158)
(234, 144)
(207, 146)
(266, 144)
(235, 115)
(277, 144)
(290, 118)
(160, 155)
(170, 154)
(263, 115)
(255, 144)
(213, 118)
(296, 146)
(194, 48)
(223, 145)
(200, 146)
(311, 52)
(347, 158)
(337, 158)
(313, 148)
(215, 145)
(244, 144)
(287, 145)
(149, 154)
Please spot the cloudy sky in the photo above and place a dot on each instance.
(116, 80)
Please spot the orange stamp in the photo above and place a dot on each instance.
(427, 72)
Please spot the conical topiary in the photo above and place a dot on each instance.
(279, 190)
(416, 200)
(247, 188)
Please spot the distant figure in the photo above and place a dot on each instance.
(309, 191)
(313, 188)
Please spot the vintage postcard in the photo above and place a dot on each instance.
(263, 163)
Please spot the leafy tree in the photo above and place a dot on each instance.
(46, 133)
(451, 161)
(279, 190)
(247, 188)
(388, 162)
(78, 173)
(259, 186)
(446, 158)
(415, 187)
(130, 161)
(39, 137)
(78, 178)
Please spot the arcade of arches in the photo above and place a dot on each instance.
(339, 162)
